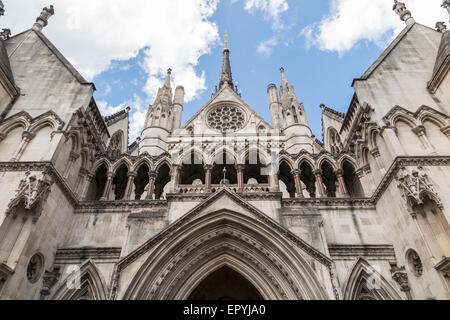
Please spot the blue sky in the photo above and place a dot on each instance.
(126, 50)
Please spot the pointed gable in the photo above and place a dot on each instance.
(227, 96)
(45, 77)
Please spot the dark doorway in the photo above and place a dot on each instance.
(225, 284)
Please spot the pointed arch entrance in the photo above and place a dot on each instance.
(225, 284)
(270, 262)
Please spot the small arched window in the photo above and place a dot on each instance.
(294, 112)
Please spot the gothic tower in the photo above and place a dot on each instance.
(163, 117)
(289, 115)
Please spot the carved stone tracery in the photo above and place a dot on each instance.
(33, 191)
(415, 185)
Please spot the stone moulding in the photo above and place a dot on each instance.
(371, 252)
(444, 267)
(94, 206)
(190, 216)
(71, 255)
(41, 166)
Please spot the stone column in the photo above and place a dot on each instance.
(208, 169)
(72, 158)
(240, 177)
(87, 182)
(318, 174)
(392, 142)
(26, 138)
(342, 186)
(274, 183)
(298, 183)
(421, 133)
(375, 152)
(108, 185)
(151, 185)
(81, 180)
(175, 177)
(129, 188)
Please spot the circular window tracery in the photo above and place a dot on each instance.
(34, 268)
(226, 119)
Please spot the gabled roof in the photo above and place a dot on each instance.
(442, 65)
(386, 53)
(57, 54)
(4, 63)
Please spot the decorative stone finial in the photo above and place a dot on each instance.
(440, 26)
(167, 82)
(2, 8)
(405, 14)
(42, 20)
(446, 5)
(5, 34)
(225, 47)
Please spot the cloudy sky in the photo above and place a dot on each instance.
(125, 47)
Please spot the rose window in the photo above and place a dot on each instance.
(226, 119)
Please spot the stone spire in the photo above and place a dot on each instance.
(167, 83)
(226, 78)
(42, 20)
(283, 77)
(405, 14)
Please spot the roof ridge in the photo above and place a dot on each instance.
(337, 113)
(111, 118)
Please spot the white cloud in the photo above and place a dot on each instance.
(352, 21)
(91, 34)
(266, 47)
(272, 10)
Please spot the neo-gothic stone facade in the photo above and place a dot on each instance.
(363, 215)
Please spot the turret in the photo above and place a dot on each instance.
(178, 107)
(294, 111)
(162, 118)
(274, 105)
(293, 119)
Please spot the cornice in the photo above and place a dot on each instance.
(373, 252)
(326, 203)
(71, 255)
(120, 206)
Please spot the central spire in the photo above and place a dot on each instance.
(226, 79)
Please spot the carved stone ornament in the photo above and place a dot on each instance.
(33, 191)
(401, 277)
(49, 280)
(415, 263)
(415, 185)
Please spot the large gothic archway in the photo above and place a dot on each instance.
(198, 247)
(225, 284)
